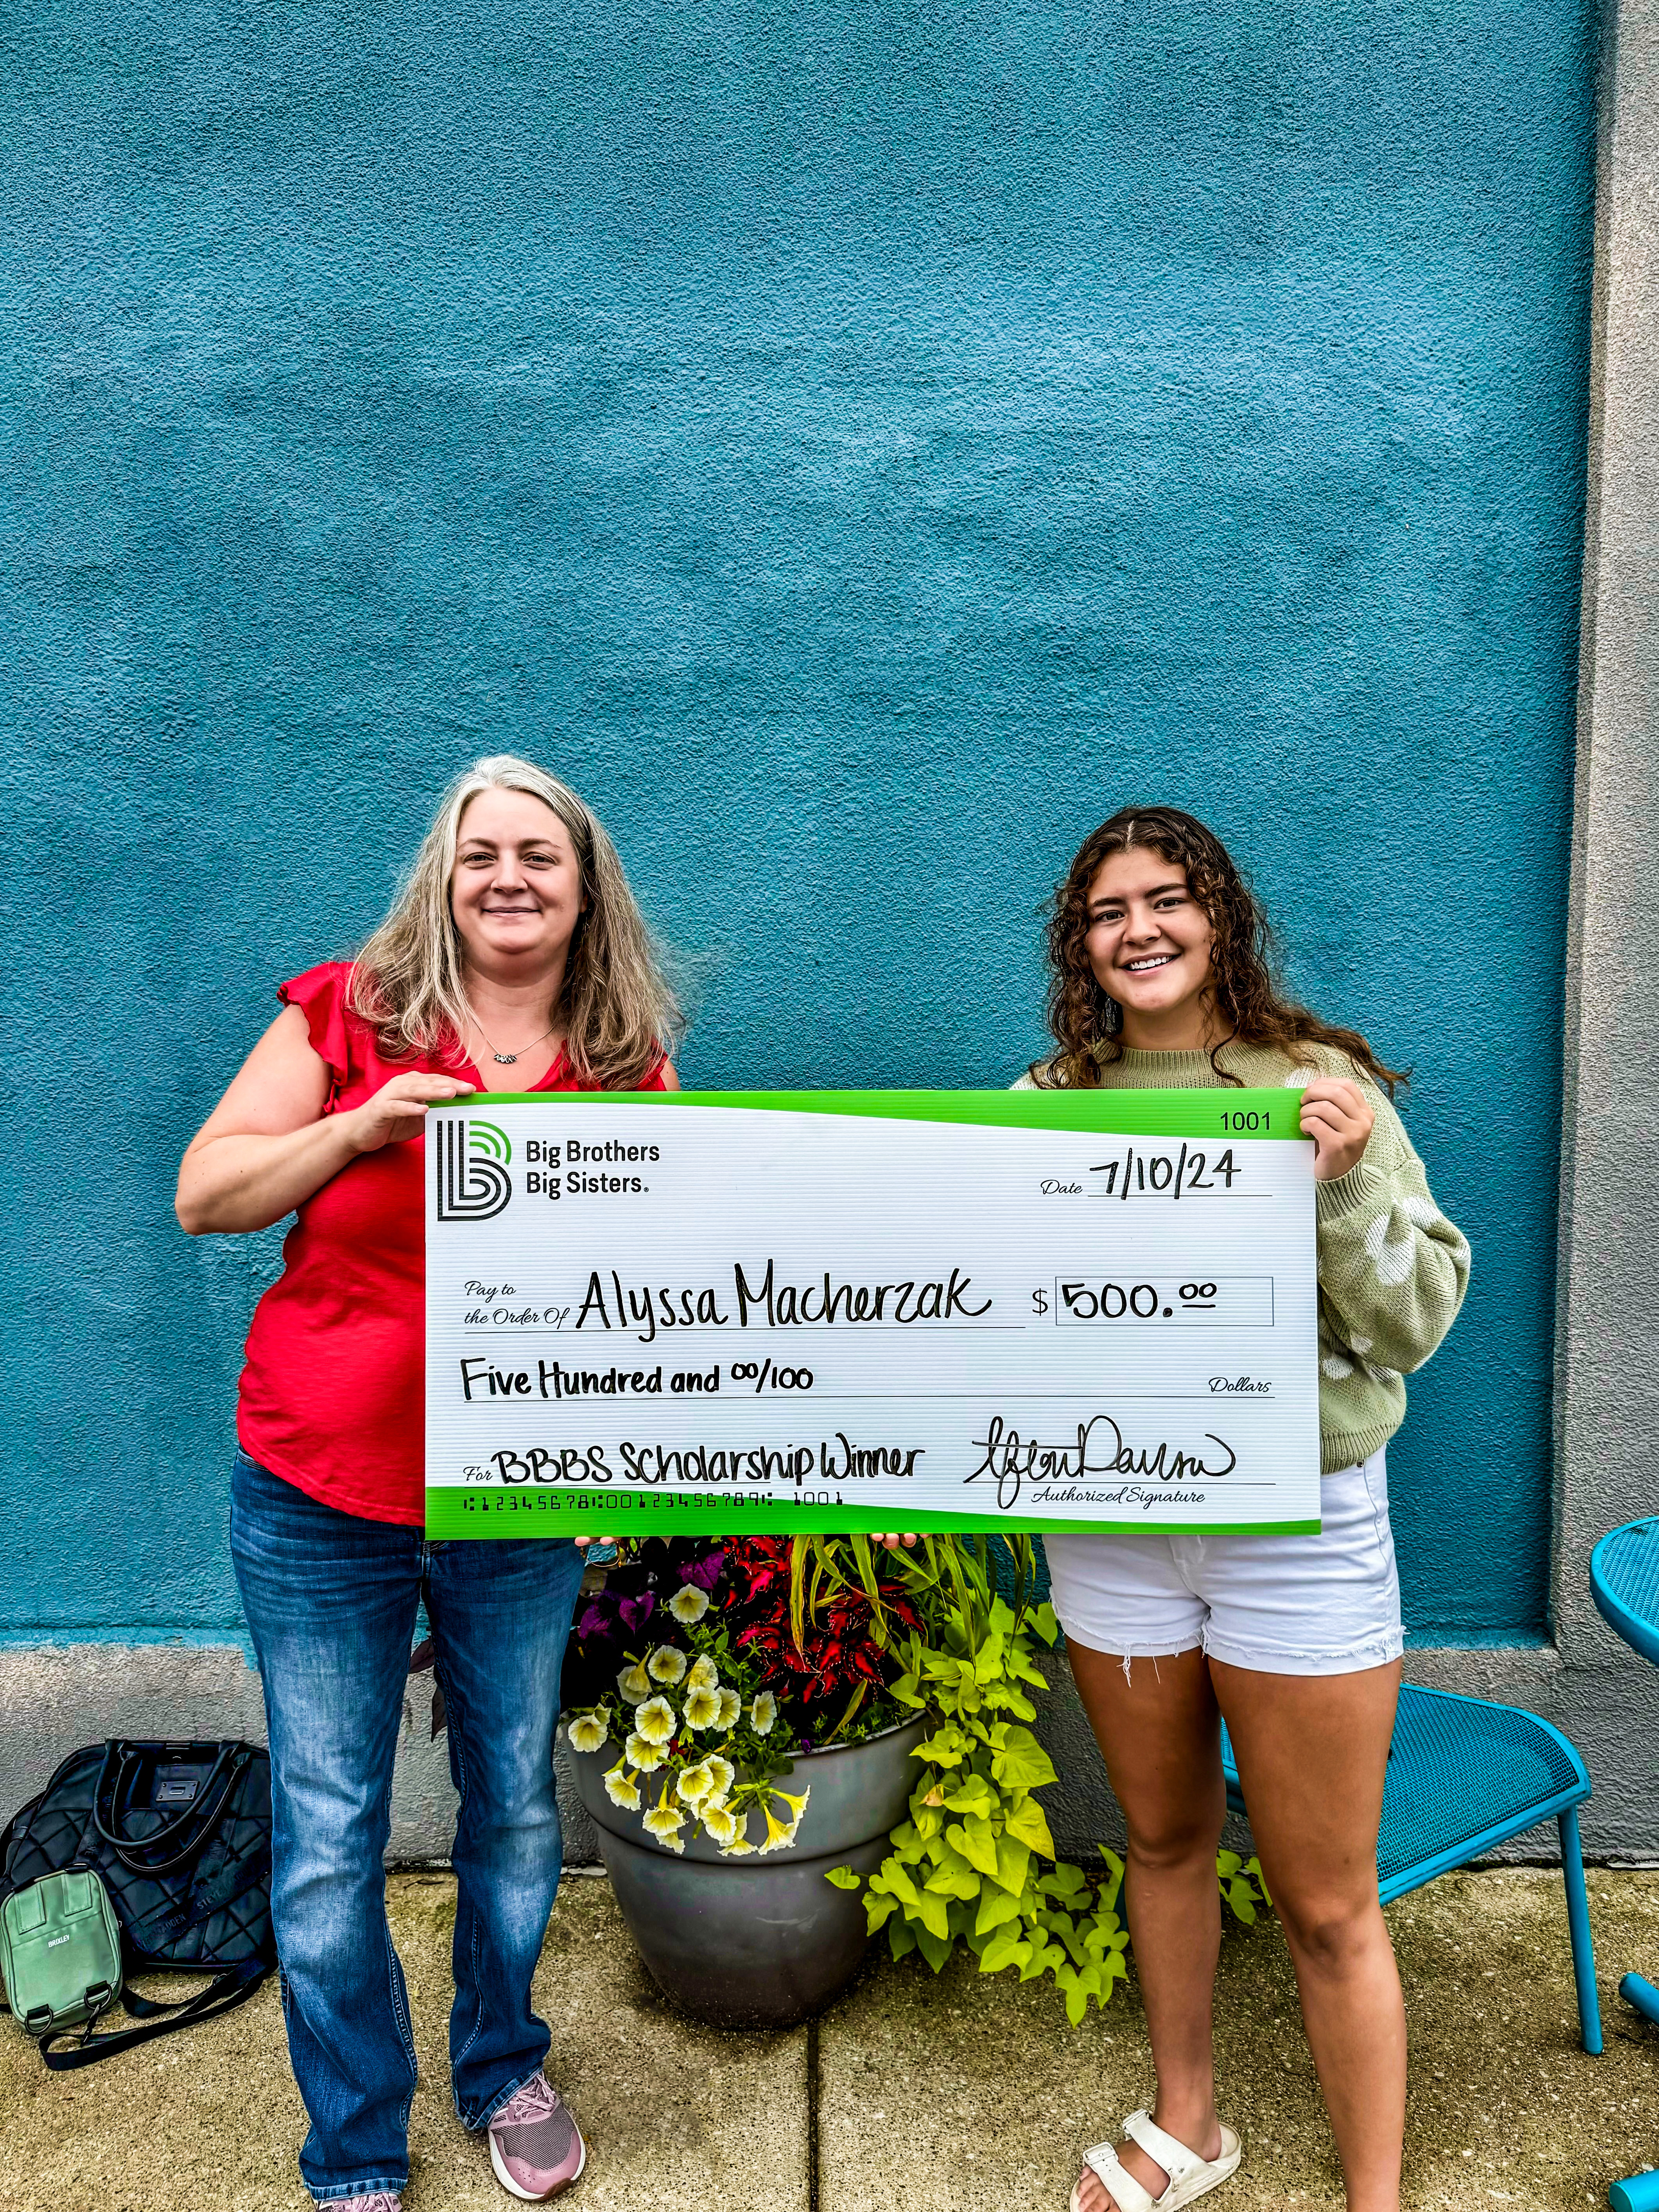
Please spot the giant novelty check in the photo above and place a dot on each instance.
(871, 1310)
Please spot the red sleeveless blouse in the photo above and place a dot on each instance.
(331, 1393)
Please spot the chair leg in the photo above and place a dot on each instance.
(1641, 1994)
(1639, 2194)
(1578, 1927)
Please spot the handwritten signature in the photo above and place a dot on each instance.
(1099, 1449)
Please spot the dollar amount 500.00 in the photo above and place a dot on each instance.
(1225, 1302)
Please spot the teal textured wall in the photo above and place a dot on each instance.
(859, 445)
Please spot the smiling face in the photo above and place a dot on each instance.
(516, 888)
(1148, 944)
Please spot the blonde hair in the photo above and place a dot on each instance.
(618, 1011)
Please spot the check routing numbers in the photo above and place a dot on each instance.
(830, 1307)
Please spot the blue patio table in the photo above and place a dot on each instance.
(1624, 1583)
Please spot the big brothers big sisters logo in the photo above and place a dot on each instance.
(473, 1182)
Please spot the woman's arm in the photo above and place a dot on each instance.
(1391, 1269)
(267, 1146)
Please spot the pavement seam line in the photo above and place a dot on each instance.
(813, 2078)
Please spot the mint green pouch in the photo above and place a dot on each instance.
(60, 1951)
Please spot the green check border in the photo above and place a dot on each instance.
(1211, 1114)
(460, 1512)
(470, 1512)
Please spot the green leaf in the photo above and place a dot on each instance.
(878, 1911)
(1028, 1823)
(948, 1749)
(968, 1793)
(1007, 1699)
(996, 1909)
(930, 1911)
(975, 1838)
(1013, 1863)
(905, 1691)
(1022, 1763)
(936, 1949)
(1046, 1623)
(844, 1878)
(893, 1879)
(954, 1877)
(1007, 1948)
(901, 1938)
(1114, 1882)
(1076, 1948)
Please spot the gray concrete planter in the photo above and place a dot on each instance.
(758, 1943)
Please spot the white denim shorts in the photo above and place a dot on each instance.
(1328, 1604)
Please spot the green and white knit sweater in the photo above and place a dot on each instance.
(1392, 1268)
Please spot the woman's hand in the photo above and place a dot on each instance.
(271, 1143)
(893, 1542)
(397, 1109)
(1335, 1115)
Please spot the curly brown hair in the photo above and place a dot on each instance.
(1087, 1023)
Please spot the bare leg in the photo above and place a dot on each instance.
(1160, 1734)
(1312, 1752)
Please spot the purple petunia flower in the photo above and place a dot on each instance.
(705, 1573)
(596, 1621)
(636, 1611)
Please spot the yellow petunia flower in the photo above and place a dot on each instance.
(622, 1789)
(719, 1826)
(724, 1775)
(590, 1731)
(703, 1709)
(655, 1720)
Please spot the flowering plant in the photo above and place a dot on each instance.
(746, 1675)
(693, 1742)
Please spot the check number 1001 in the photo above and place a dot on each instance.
(1230, 1302)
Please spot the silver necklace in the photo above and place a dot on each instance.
(510, 1059)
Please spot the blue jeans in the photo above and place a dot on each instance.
(332, 1603)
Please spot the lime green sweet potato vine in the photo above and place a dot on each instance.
(974, 1864)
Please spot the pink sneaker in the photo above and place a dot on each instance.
(535, 2146)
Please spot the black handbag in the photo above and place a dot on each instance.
(180, 1833)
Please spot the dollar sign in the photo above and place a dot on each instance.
(1039, 1302)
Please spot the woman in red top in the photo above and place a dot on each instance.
(515, 943)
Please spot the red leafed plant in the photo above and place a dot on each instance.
(837, 1648)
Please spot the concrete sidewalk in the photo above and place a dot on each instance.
(911, 2094)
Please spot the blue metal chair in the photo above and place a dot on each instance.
(1624, 1583)
(1463, 1775)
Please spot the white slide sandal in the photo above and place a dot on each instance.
(1190, 2176)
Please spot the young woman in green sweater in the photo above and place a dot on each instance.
(1160, 979)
